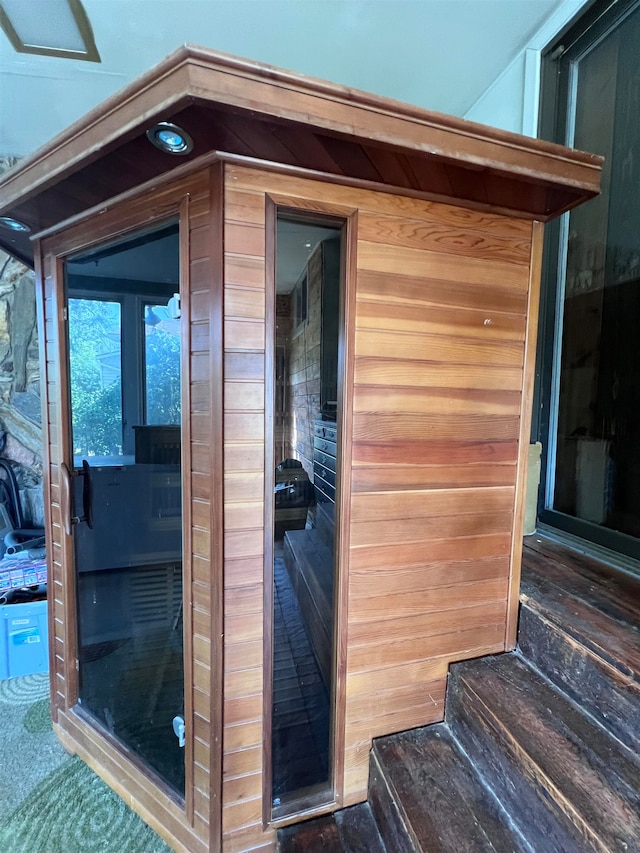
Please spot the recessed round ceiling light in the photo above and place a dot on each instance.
(13, 224)
(170, 138)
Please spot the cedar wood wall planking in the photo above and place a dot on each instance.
(441, 299)
(196, 199)
(440, 313)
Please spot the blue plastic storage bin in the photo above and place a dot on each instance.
(24, 639)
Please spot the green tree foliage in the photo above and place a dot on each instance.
(162, 355)
(96, 374)
(96, 380)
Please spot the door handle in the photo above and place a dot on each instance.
(87, 495)
(66, 497)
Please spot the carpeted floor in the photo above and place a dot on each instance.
(51, 802)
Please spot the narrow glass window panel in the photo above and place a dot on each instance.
(162, 365)
(95, 354)
(306, 494)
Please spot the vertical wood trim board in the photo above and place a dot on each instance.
(528, 381)
(269, 510)
(244, 518)
(441, 295)
(49, 491)
(216, 579)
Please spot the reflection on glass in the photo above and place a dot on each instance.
(96, 387)
(162, 365)
(306, 441)
(598, 454)
(128, 546)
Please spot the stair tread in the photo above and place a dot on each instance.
(583, 672)
(351, 830)
(442, 800)
(614, 593)
(589, 617)
(557, 746)
(561, 562)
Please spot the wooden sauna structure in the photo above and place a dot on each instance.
(366, 394)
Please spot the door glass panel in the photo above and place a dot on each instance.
(597, 464)
(308, 278)
(127, 494)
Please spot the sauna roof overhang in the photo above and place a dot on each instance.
(256, 113)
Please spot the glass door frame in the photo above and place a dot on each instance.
(557, 95)
(81, 732)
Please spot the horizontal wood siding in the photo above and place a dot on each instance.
(441, 302)
(244, 513)
(441, 297)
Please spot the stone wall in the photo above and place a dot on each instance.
(20, 413)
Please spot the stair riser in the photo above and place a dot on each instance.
(511, 777)
(395, 833)
(600, 689)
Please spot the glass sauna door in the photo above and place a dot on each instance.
(124, 381)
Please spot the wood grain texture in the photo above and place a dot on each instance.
(528, 382)
(247, 110)
(435, 385)
(556, 772)
(438, 306)
(439, 352)
(245, 739)
(425, 795)
(197, 823)
(50, 488)
(585, 643)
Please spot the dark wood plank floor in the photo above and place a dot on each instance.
(596, 603)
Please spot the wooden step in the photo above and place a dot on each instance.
(425, 796)
(351, 830)
(581, 628)
(581, 573)
(565, 782)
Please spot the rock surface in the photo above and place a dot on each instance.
(20, 417)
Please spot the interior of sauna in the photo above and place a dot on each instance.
(306, 417)
(124, 370)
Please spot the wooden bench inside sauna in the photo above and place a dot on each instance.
(343, 290)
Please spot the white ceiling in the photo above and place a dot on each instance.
(439, 54)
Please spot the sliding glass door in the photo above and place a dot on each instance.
(593, 359)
